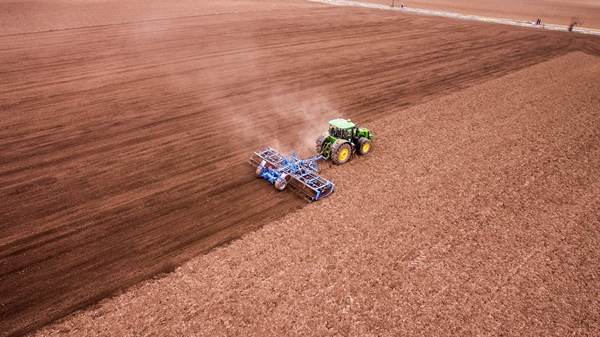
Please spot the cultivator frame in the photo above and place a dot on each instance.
(299, 174)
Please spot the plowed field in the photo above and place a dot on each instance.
(123, 145)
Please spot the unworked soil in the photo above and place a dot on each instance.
(124, 145)
(476, 214)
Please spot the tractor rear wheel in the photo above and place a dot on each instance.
(341, 152)
(364, 145)
(319, 143)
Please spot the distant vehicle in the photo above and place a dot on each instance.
(343, 140)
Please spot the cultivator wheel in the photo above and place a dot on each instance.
(260, 168)
(364, 146)
(281, 182)
(341, 151)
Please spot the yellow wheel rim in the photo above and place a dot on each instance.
(344, 154)
(366, 147)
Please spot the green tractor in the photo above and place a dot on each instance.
(344, 139)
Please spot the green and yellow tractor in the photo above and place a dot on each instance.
(343, 140)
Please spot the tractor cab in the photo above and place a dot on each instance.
(342, 128)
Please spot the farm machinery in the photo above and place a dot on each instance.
(302, 175)
(343, 140)
(283, 171)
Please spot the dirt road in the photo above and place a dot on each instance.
(559, 12)
(124, 145)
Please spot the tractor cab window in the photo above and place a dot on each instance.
(338, 133)
(342, 133)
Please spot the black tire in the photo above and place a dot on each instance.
(338, 149)
(364, 146)
(319, 143)
(281, 182)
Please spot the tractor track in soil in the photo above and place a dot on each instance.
(124, 146)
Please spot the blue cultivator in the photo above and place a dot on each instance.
(300, 175)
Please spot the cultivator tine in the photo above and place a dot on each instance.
(271, 156)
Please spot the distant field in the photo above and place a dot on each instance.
(550, 11)
(35, 15)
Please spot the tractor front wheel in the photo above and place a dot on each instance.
(364, 146)
(341, 152)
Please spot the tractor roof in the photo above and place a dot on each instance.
(341, 123)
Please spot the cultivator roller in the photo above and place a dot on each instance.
(299, 174)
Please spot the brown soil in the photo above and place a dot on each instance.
(477, 214)
(550, 11)
(124, 145)
(26, 16)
